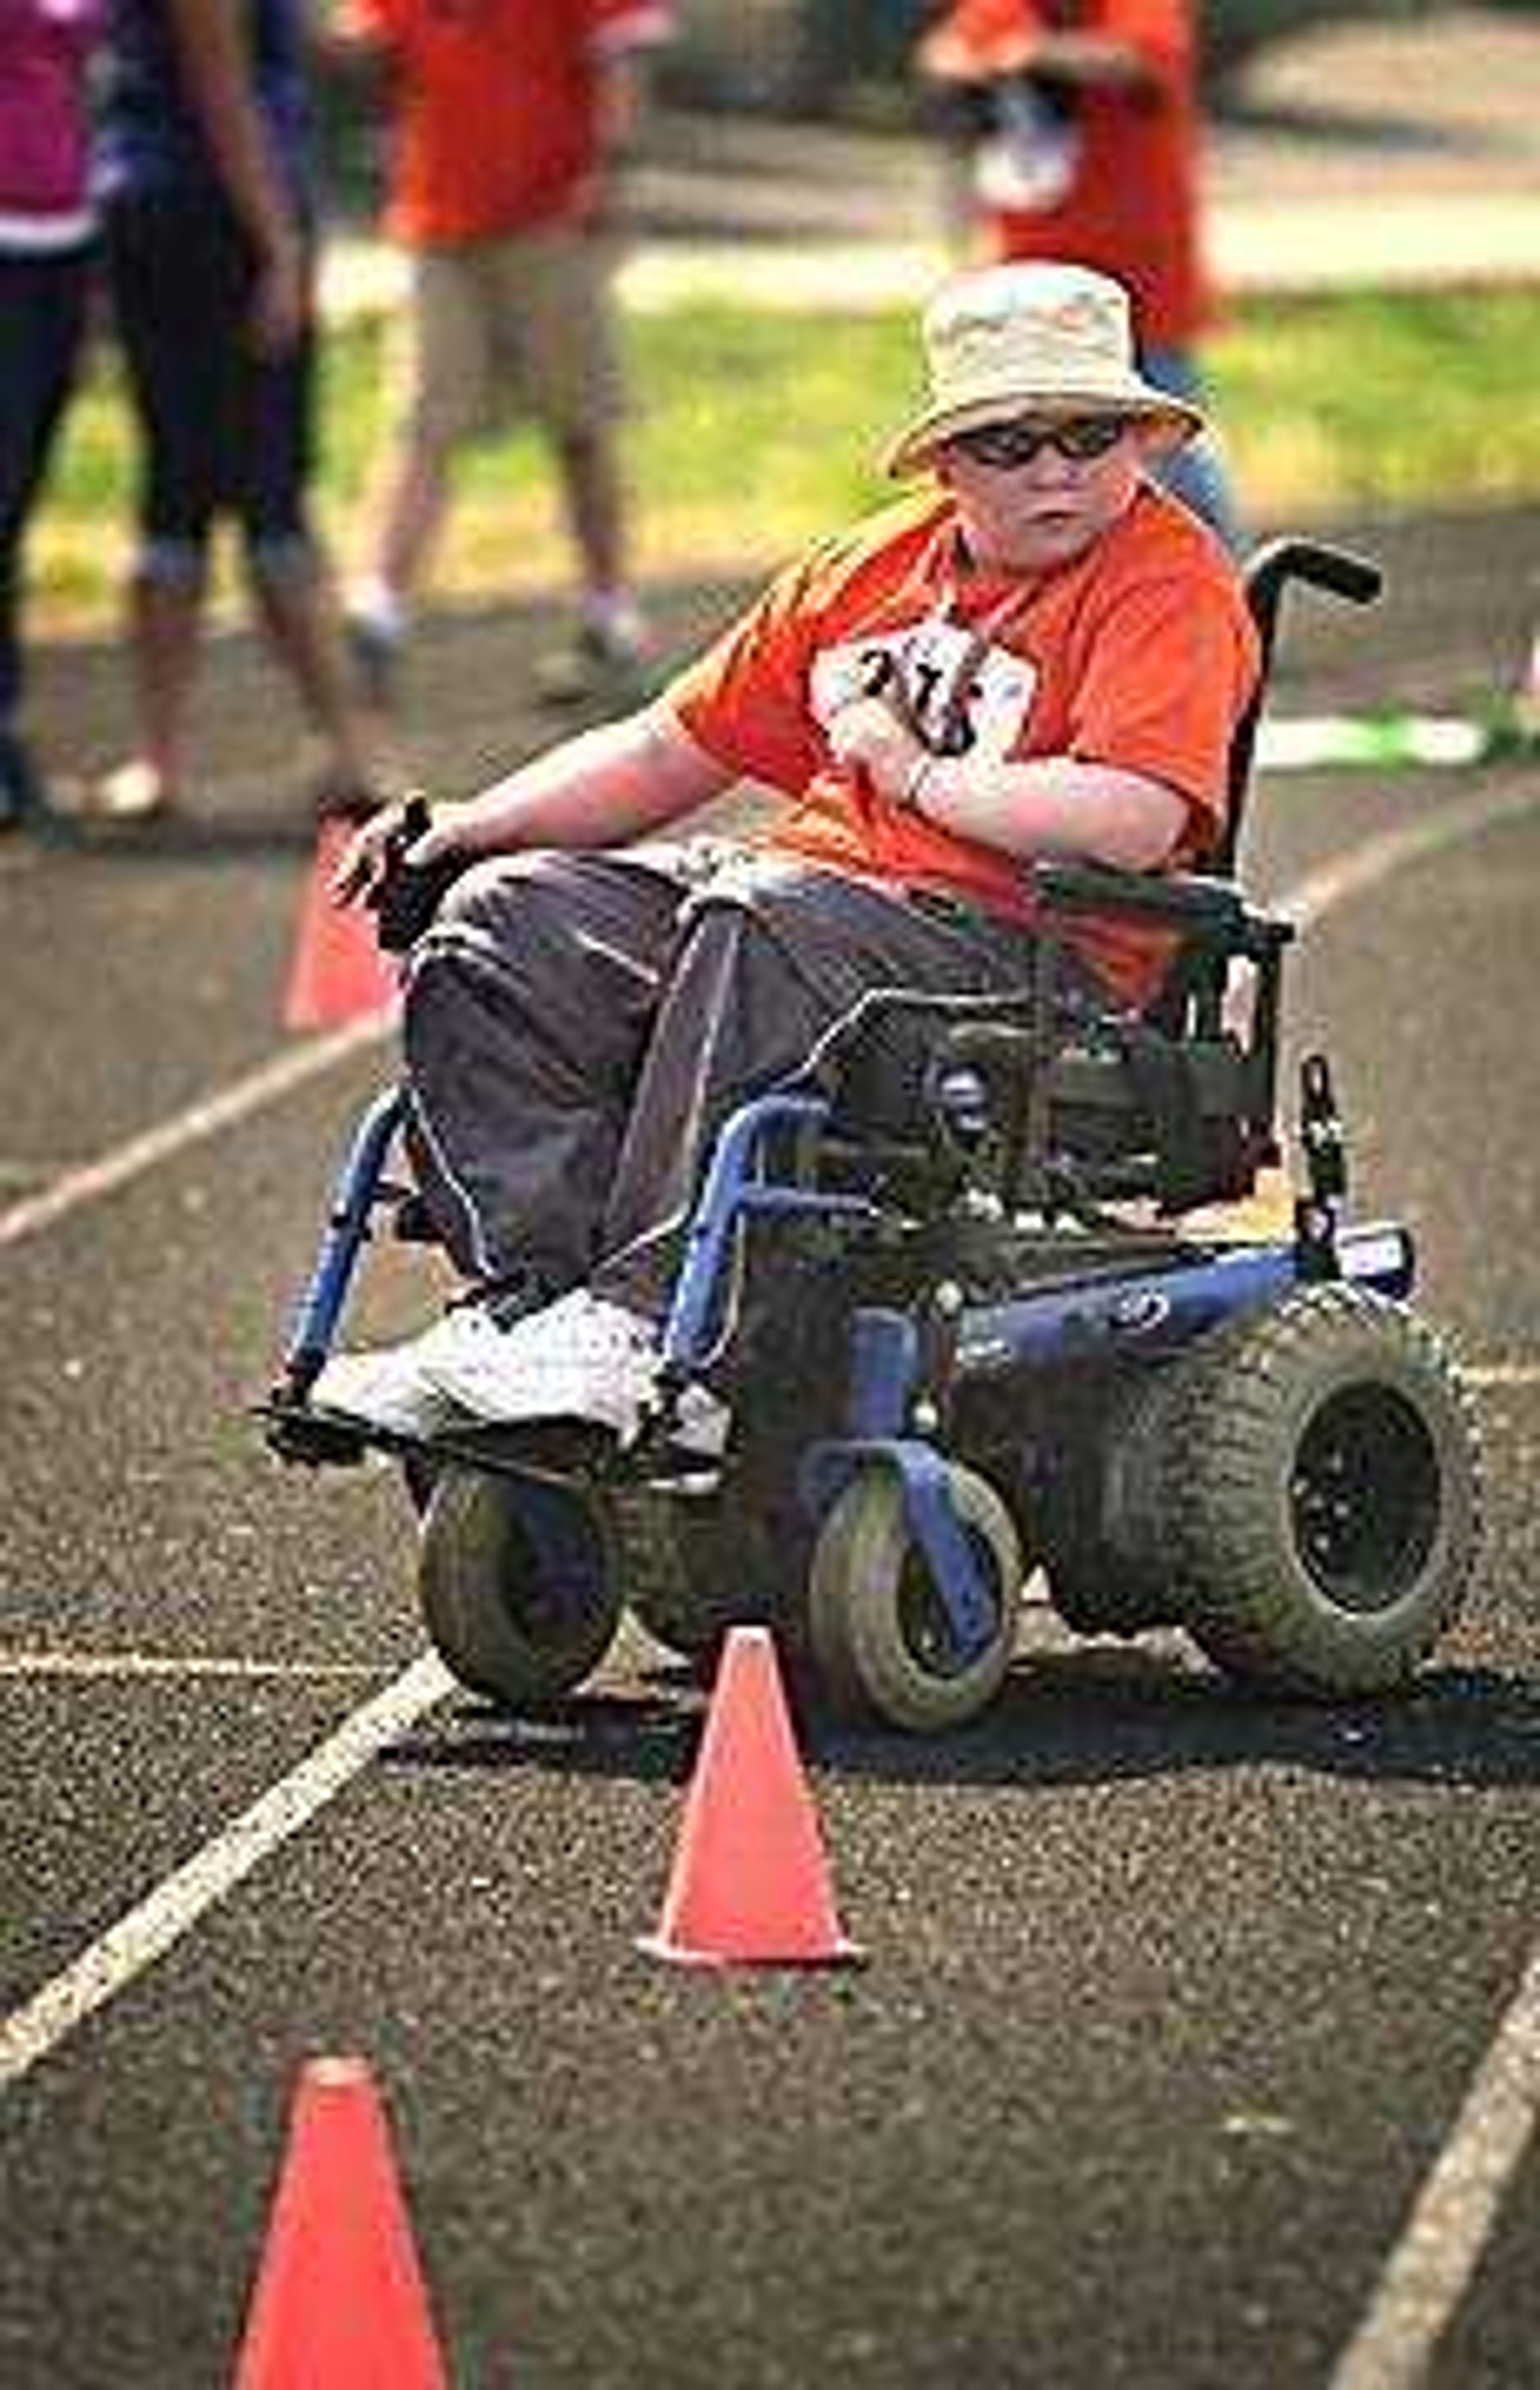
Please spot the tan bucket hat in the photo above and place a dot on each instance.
(1031, 339)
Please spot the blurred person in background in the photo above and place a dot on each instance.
(206, 169)
(508, 121)
(46, 239)
(1078, 121)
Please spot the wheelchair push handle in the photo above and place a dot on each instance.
(406, 896)
(1335, 570)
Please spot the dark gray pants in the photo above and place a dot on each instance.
(579, 1027)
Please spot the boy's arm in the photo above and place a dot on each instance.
(1049, 805)
(1145, 765)
(603, 789)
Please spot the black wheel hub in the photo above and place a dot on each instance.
(1364, 1497)
(922, 1613)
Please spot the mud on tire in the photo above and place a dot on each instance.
(517, 1584)
(877, 1628)
(1313, 1471)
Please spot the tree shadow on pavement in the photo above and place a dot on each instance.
(642, 1738)
(233, 836)
(1102, 1717)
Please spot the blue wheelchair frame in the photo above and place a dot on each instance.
(893, 1416)
(1151, 1311)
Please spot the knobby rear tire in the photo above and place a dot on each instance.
(1314, 1474)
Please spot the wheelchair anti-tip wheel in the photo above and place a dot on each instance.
(1319, 1469)
(518, 1585)
(879, 1637)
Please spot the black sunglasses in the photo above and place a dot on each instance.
(1007, 445)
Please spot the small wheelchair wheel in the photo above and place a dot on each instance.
(518, 1585)
(1323, 1470)
(879, 1638)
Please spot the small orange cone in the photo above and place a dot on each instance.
(750, 1886)
(338, 972)
(339, 2302)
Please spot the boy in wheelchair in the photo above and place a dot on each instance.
(1039, 655)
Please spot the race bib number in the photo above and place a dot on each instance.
(959, 707)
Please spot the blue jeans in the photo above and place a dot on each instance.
(1195, 472)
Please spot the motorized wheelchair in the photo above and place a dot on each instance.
(1023, 1324)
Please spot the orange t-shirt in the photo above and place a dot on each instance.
(1139, 654)
(1114, 184)
(494, 123)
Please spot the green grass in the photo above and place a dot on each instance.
(756, 429)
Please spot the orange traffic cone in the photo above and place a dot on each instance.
(750, 1886)
(339, 2299)
(338, 972)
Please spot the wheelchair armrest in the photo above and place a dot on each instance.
(1186, 901)
(1206, 912)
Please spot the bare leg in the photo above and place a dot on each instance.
(607, 659)
(407, 502)
(595, 508)
(295, 612)
(165, 624)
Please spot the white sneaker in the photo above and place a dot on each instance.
(579, 1358)
(387, 1388)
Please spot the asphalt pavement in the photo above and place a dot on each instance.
(1177, 2002)
(1173, 1995)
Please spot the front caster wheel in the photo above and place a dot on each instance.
(879, 1636)
(518, 1585)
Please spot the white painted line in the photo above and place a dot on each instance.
(88, 1665)
(138, 1939)
(1432, 2264)
(1504, 1373)
(146, 1933)
(1355, 874)
(238, 1102)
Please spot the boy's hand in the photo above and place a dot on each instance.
(868, 737)
(397, 834)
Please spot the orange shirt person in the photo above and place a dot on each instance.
(508, 121)
(1038, 654)
(1087, 148)
(506, 110)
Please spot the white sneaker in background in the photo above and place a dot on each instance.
(600, 663)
